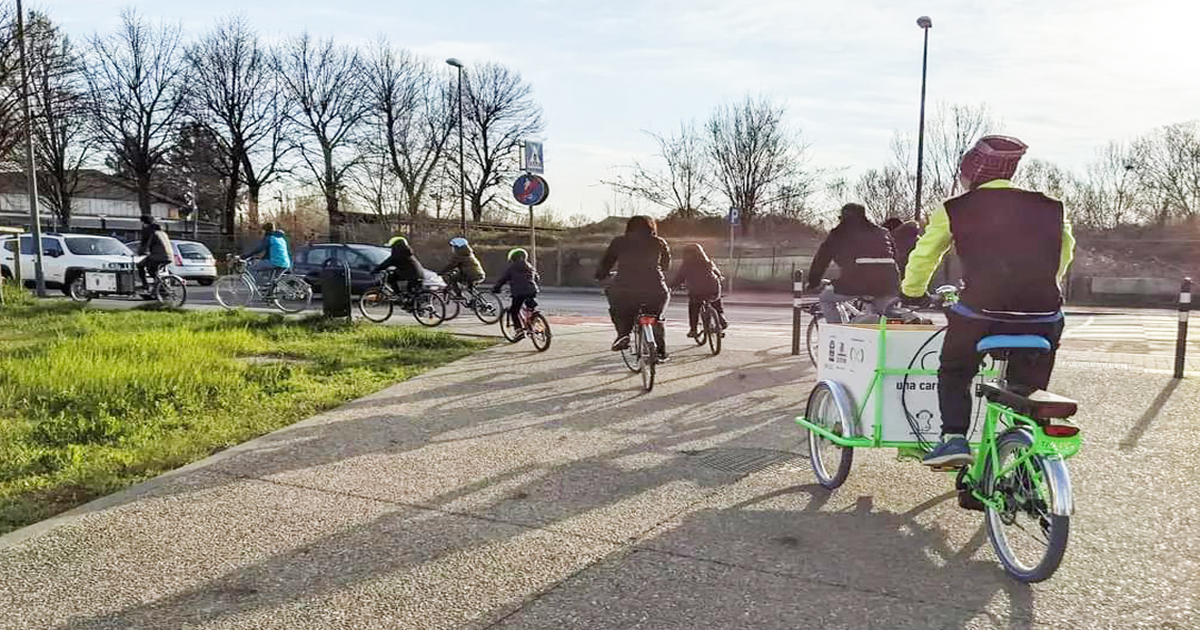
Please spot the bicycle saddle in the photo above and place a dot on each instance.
(993, 343)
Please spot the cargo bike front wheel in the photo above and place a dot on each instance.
(829, 408)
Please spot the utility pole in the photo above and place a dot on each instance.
(35, 219)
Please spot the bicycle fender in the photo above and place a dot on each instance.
(845, 405)
(1058, 478)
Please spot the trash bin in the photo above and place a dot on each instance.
(335, 290)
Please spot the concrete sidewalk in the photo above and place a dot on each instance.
(522, 490)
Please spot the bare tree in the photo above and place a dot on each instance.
(328, 101)
(373, 184)
(1167, 163)
(757, 161)
(412, 107)
(499, 112)
(12, 125)
(136, 87)
(884, 193)
(62, 139)
(235, 94)
(950, 131)
(684, 186)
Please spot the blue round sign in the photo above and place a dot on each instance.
(530, 189)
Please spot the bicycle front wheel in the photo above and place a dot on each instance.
(292, 294)
(812, 337)
(488, 307)
(506, 328)
(375, 304)
(233, 291)
(1029, 540)
(78, 290)
(539, 332)
(171, 291)
(429, 309)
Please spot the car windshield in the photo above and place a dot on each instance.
(193, 251)
(375, 254)
(96, 246)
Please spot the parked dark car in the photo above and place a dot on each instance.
(310, 260)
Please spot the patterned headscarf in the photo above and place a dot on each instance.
(993, 157)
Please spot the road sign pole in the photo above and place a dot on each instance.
(532, 239)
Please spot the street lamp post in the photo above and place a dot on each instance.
(925, 23)
(462, 165)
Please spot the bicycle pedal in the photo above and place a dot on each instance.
(967, 501)
(948, 468)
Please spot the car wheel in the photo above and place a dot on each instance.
(206, 282)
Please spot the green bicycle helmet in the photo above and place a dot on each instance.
(395, 239)
(514, 252)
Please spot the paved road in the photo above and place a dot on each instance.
(522, 490)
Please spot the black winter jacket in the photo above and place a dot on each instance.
(405, 261)
(521, 277)
(701, 277)
(866, 257)
(641, 262)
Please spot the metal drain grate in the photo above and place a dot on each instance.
(744, 461)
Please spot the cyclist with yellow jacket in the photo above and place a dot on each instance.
(1015, 246)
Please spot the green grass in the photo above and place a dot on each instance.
(92, 401)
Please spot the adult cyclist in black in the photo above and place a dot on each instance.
(642, 260)
(865, 255)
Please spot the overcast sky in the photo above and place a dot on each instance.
(1064, 75)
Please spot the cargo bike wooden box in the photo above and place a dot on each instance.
(877, 388)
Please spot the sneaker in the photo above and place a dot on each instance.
(621, 343)
(519, 336)
(952, 452)
(663, 358)
(692, 334)
(724, 323)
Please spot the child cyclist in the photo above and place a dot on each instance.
(464, 269)
(522, 279)
(703, 281)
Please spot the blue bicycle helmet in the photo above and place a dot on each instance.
(458, 241)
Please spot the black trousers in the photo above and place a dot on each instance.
(624, 304)
(149, 267)
(694, 302)
(960, 363)
(514, 311)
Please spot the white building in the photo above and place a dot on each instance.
(102, 202)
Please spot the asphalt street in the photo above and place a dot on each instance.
(516, 489)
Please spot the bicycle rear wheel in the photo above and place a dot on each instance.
(506, 328)
(539, 332)
(1029, 540)
(375, 304)
(233, 291)
(453, 306)
(488, 307)
(428, 308)
(648, 360)
(171, 291)
(712, 330)
(292, 294)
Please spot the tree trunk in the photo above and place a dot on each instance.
(143, 193)
(331, 198)
(252, 191)
(477, 206)
(231, 195)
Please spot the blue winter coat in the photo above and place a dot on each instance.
(276, 248)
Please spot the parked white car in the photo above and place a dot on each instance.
(64, 256)
(192, 261)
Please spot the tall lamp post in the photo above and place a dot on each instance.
(925, 23)
(462, 165)
(35, 219)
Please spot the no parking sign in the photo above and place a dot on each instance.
(530, 189)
